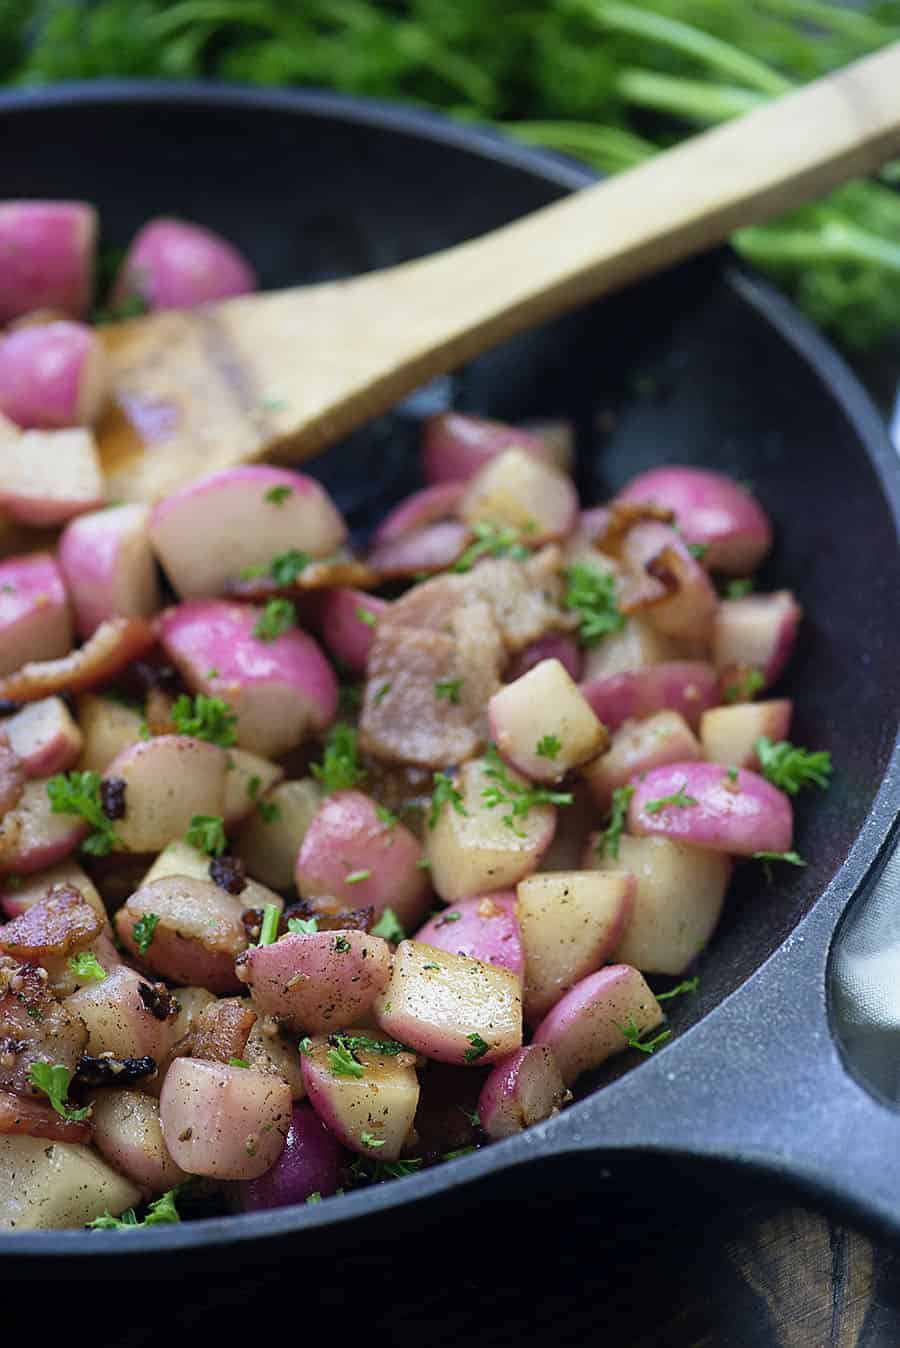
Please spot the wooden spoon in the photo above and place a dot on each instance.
(283, 374)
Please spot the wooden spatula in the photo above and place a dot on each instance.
(283, 374)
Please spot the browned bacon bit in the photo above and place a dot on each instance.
(321, 573)
(144, 675)
(107, 1070)
(112, 797)
(158, 1000)
(37, 1024)
(229, 873)
(251, 920)
(220, 1032)
(352, 919)
(114, 645)
(61, 922)
(34, 1118)
(624, 515)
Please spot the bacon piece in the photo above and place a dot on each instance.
(59, 924)
(20, 1114)
(34, 1026)
(349, 919)
(321, 574)
(220, 1032)
(623, 516)
(115, 644)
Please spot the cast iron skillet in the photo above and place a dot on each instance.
(704, 365)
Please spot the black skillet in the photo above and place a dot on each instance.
(703, 365)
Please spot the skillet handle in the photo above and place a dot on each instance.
(760, 1084)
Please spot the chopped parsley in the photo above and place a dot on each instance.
(277, 495)
(686, 985)
(161, 1210)
(388, 1048)
(144, 930)
(448, 690)
(342, 945)
(78, 793)
(357, 877)
(278, 616)
(386, 816)
(305, 1046)
(678, 800)
(460, 1151)
(238, 1062)
(382, 692)
(548, 746)
(314, 1197)
(342, 1062)
(339, 769)
(792, 859)
(268, 932)
(253, 786)
(370, 1140)
(608, 840)
(302, 926)
(366, 616)
(349, 698)
(207, 833)
(520, 797)
(743, 686)
(53, 1079)
(698, 550)
(478, 1050)
(791, 768)
(86, 966)
(591, 594)
(633, 1037)
(269, 811)
(388, 927)
(448, 917)
(472, 1116)
(738, 587)
(443, 792)
(205, 718)
(287, 566)
(491, 540)
(364, 1170)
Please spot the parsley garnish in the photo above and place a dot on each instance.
(448, 917)
(305, 1045)
(443, 792)
(342, 945)
(608, 840)
(53, 1080)
(357, 877)
(144, 930)
(791, 768)
(448, 689)
(686, 985)
(739, 587)
(205, 718)
(698, 550)
(287, 566)
(388, 927)
(238, 1062)
(253, 786)
(278, 616)
(370, 1140)
(342, 1062)
(387, 817)
(382, 693)
(207, 832)
(548, 746)
(314, 1197)
(678, 799)
(792, 858)
(79, 793)
(472, 1116)
(633, 1037)
(302, 926)
(268, 932)
(591, 594)
(161, 1210)
(339, 769)
(269, 811)
(746, 684)
(349, 698)
(460, 1151)
(478, 1050)
(491, 540)
(366, 1171)
(85, 965)
(277, 495)
(388, 1048)
(366, 616)
(519, 796)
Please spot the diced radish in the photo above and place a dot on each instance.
(347, 620)
(523, 1089)
(208, 531)
(711, 510)
(271, 838)
(196, 938)
(757, 632)
(53, 376)
(174, 264)
(677, 903)
(450, 1007)
(46, 256)
(48, 1187)
(472, 850)
(560, 648)
(685, 686)
(270, 1049)
(107, 727)
(248, 778)
(281, 690)
(318, 983)
(517, 490)
(128, 1133)
(32, 837)
(371, 1113)
(637, 645)
(593, 1021)
(48, 477)
(429, 550)
(571, 923)
(735, 811)
(109, 566)
(181, 859)
(353, 856)
(428, 506)
(44, 737)
(558, 436)
(638, 746)
(168, 780)
(729, 734)
(313, 1162)
(543, 725)
(16, 897)
(114, 645)
(34, 611)
(224, 1122)
(689, 608)
(118, 1020)
(485, 928)
(456, 445)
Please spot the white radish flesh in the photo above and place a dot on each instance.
(523, 1089)
(109, 567)
(658, 550)
(371, 1113)
(168, 780)
(637, 645)
(228, 1123)
(181, 859)
(543, 725)
(32, 837)
(118, 1020)
(269, 841)
(50, 1186)
(249, 776)
(729, 734)
(317, 983)
(517, 491)
(757, 632)
(107, 727)
(198, 934)
(49, 477)
(127, 1131)
(44, 737)
(594, 1020)
(638, 746)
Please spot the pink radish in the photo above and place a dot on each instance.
(32, 837)
(347, 620)
(17, 895)
(168, 780)
(127, 1131)
(543, 724)
(370, 1111)
(638, 746)
(118, 1019)
(729, 734)
(485, 928)
(197, 935)
(173, 264)
(313, 1162)
(208, 531)
(711, 510)
(517, 490)
(757, 632)
(46, 256)
(428, 506)
(456, 445)
(48, 477)
(281, 689)
(688, 606)
(44, 737)
(319, 982)
(523, 1089)
(34, 611)
(560, 648)
(637, 645)
(53, 376)
(594, 1021)
(229, 1123)
(704, 804)
(685, 686)
(109, 566)
(424, 552)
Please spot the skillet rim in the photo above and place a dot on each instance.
(264, 1228)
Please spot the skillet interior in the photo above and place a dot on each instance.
(682, 368)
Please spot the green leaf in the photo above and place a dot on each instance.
(591, 593)
(518, 796)
(238, 1062)
(679, 800)
(205, 718)
(443, 792)
(478, 1050)
(389, 927)
(54, 1079)
(268, 932)
(548, 746)
(277, 495)
(491, 540)
(160, 1212)
(143, 931)
(370, 1140)
(287, 566)
(366, 616)
(608, 840)
(448, 690)
(339, 769)
(207, 833)
(302, 926)
(78, 793)
(633, 1037)
(278, 617)
(342, 1062)
(86, 967)
(791, 768)
(685, 986)
(357, 877)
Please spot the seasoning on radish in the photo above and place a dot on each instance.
(485, 928)
(598, 1018)
(733, 811)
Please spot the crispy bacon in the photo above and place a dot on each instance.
(623, 516)
(21, 1114)
(115, 644)
(349, 919)
(220, 1032)
(34, 1026)
(59, 924)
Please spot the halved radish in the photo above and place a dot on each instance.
(688, 607)
(35, 623)
(543, 724)
(225, 1122)
(269, 841)
(109, 566)
(249, 776)
(701, 803)
(32, 837)
(281, 689)
(597, 1018)
(325, 981)
(346, 620)
(114, 645)
(450, 1007)
(523, 1089)
(168, 780)
(638, 746)
(370, 1111)
(516, 490)
(429, 550)
(175, 264)
(44, 737)
(428, 506)
(127, 1131)
(757, 632)
(53, 375)
(48, 477)
(46, 257)
(208, 531)
(729, 734)
(457, 444)
(485, 928)
(118, 1018)
(107, 727)
(685, 686)
(187, 931)
(313, 1162)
